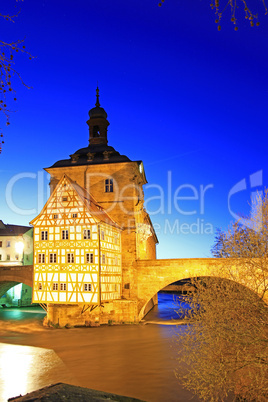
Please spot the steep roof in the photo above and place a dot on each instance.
(12, 230)
(92, 155)
(96, 210)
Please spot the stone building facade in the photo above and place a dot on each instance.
(116, 185)
(16, 245)
(16, 249)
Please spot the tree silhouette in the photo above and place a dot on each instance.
(219, 7)
(8, 51)
(223, 349)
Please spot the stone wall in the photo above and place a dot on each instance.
(116, 312)
(18, 274)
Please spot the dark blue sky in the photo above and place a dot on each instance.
(189, 101)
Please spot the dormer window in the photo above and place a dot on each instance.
(109, 186)
(75, 158)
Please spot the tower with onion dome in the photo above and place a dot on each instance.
(111, 187)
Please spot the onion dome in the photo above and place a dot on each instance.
(97, 111)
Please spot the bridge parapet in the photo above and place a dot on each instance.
(154, 275)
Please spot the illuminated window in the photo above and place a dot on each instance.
(44, 235)
(109, 186)
(63, 286)
(87, 287)
(40, 286)
(1, 244)
(8, 257)
(116, 260)
(89, 258)
(74, 215)
(115, 287)
(41, 258)
(115, 239)
(8, 243)
(64, 199)
(103, 258)
(70, 258)
(52, 258)
(65, 235)
(55, 216)
(86, 234)
(102, 235)
(55, 286)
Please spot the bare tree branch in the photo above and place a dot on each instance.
(220, 7)
(223, 349)
(8, 51)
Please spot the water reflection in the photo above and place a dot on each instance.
(132, 360)
(167, 310)
(23, 367)
(21, 313)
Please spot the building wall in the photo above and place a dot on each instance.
(117, 311)
(76, 259)
(125, 205)
(110, 266)
(11, 254)
(28, 247)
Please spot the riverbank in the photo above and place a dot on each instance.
(61, 392)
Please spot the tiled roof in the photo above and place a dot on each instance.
(12, 230)
(95, 209)
(100, 154)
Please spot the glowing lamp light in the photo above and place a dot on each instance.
(19, 246)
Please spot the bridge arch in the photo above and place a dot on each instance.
(149, 304)
(13, 275)
(154, 275)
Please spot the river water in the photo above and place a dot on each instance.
(133, 360)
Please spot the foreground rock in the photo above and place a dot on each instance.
(65, 392)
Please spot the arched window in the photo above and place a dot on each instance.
(96, 131)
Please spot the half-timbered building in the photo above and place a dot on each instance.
(91, 232)
(77, 249)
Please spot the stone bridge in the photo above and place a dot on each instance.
(154, 275)
(12, 275)
(150, 276)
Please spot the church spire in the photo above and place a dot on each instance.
(97, 97)
(97, 123)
